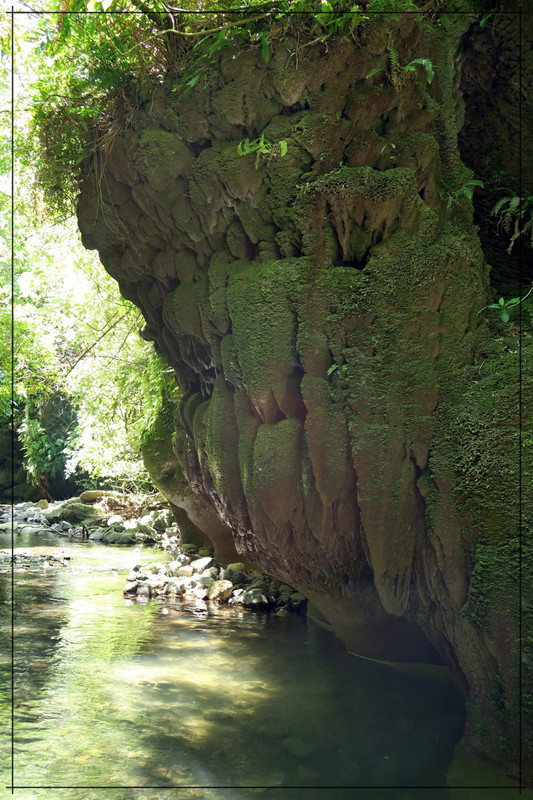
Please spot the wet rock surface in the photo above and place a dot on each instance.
(205, 579)
(32, 561)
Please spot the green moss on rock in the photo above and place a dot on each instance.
(72, 512)
(276, 469)
(264, 329)
(221, 441)
(161, 157)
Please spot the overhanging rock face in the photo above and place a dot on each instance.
(317, 305)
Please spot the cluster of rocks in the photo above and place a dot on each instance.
(23, 517)
(32, 560)
(89, 517)
(203, 578)
(192, 574)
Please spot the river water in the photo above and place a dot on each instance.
(114, 699)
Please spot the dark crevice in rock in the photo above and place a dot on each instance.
(382, 125)
(199, 146)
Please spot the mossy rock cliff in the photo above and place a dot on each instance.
(347, 422)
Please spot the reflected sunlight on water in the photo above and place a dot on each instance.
(113, 693)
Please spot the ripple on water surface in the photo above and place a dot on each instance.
(114, 693)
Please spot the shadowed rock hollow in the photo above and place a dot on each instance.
(319, 308)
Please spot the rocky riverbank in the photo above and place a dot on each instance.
(203, 578)
(112, 518)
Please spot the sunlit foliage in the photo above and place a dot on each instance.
(77, 382)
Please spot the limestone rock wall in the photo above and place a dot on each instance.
(317, 307)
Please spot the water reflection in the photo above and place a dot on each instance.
(112, 693)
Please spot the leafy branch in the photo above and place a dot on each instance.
(503, 305)
(466, 191)
(512, 212)
(395, 73)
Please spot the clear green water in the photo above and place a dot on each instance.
(113, 694)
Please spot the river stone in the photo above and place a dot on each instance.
(185, 571)
(158, 582)
(189, 548)
(162, 520)
(90, 496)
(297, 601)
(71, 511)
(173, 587)
(42, 503)
(118, 537)
(173, 567)
(220, 590)
(210, 572)
(205, 581)
(254, 598)
(236, 574)
(144, 527)
(261, 585)
(28, 528)
(203, 563)
(97, 534)
(180, 559)
(116, 519)
(130, 587)
(144, 590)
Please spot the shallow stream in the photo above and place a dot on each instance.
(114, 699)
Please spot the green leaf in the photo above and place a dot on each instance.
(283, 147)
(475, 182)
(499, 205)
(424, 62)
(501, 301)
(374, 72)
(485, 18)
(332, 369)
(504, 315)
(192, 81)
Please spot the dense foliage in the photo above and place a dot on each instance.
(85, 384)
(77, 382)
